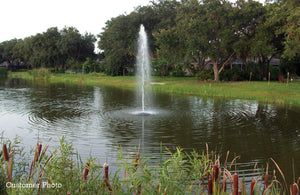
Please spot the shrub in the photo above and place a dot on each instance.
(205, 75)
(3, 72)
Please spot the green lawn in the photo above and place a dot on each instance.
(273, 92)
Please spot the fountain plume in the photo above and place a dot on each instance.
(143, 70)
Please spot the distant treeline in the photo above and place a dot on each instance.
(57, 49)
(185, 36)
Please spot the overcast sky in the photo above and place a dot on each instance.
(23, 18)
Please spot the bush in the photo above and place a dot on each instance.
(205, 75)
(177, 71)
(40, 73)
(290, 65)
(3, 72)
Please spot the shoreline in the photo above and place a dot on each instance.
(261, 91)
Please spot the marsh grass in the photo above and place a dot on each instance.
(62, 171)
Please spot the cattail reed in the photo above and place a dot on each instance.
(215, 174)
(266, 180)
(85, 171)
(38, 150)
(107, 185)
(235, 184)
(252, 187)
(210, 186)
(295, 189)
(139, 189)
(5, 152)
(136, 161)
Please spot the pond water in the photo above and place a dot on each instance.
(99, 119)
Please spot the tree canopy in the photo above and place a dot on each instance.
(202, 30)
(186, 35)
(50, 49)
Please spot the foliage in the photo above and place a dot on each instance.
(205, 75)
(6, 48)
(41, 73)
(90, 65)
(63, 172)
(50, 49)
(3, 72)
(291, 65)
(119, 38)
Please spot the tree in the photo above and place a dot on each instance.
(248, 15)
(218, 33)
(118, 42)
(266, 43)
(6, 50)
(190, 28)
(169, 49)
(285, 15)
(74, 45)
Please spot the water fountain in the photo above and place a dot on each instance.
(143, 72)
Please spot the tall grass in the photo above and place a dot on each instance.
(63, 172)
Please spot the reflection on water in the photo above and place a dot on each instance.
(99, 119)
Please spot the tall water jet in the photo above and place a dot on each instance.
(143, 70)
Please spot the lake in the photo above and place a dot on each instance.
(100, 119)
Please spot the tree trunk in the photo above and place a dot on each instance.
(216, 70)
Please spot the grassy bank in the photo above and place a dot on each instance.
(273, 92)
(62, 172)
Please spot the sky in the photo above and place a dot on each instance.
(23, 18)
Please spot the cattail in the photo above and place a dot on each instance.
(210, 186)
(295, 190)
(235, 184)
(252, 187)
(5, 152)
(215, 174)
(136, 161)
(106, 177)
(105, 171)
(139, 189)
(85, 171)
(38, 149)
(266, 180)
